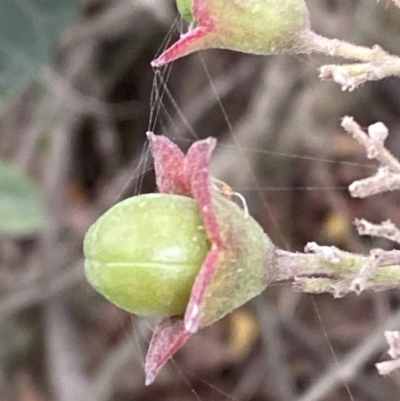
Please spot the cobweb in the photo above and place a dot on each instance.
(168, 116)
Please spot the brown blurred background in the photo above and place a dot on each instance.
(280, 146)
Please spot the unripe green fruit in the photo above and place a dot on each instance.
(251, 26)
(260, 26)
(185, 9)
(145, 252)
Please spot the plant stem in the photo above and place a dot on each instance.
(315, 43)
(330, 270)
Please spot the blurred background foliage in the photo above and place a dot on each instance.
(28, 30)
(75, 105)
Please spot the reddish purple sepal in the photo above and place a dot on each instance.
(196, 39)
(233, 270)
(169, 165)
(184, 175)
(168, 336)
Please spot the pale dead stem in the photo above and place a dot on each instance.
(370, 266)
(374, 63)
(387, 178)
(387, 367)
(328, 269)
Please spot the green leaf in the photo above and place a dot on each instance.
(20, 206)
(28, 31)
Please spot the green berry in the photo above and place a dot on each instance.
(185, 9)
(144, 253)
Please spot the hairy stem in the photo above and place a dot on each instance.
(328, 269)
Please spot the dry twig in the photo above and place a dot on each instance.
(387, 367)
